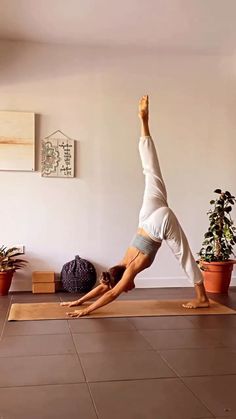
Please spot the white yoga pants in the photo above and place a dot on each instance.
(157, 219)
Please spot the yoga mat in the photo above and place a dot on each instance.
(137, 308)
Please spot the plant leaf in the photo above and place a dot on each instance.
(208, 234)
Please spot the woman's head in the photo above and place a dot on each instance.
(113, 275)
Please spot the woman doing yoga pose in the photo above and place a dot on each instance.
(157, 222)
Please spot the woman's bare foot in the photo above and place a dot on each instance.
(143, 108)
(202, 300)
(197, 304)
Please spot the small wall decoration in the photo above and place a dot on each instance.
(17, 140)
(57, 155)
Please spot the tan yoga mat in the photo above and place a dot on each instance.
(137, 308)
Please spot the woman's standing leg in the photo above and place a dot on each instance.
(176, 240)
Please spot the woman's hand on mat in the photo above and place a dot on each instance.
(78, 313)
(71, 303)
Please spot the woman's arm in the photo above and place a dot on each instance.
(109, 296)
(99, 290)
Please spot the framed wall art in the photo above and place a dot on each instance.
(57, 155)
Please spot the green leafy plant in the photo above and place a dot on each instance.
(221, 235)
(9, 260)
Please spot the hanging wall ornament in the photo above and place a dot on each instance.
(57, 155)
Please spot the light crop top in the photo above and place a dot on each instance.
(146, 245)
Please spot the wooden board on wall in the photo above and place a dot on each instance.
(17, 140)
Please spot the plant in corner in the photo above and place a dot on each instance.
(218, 243)
(9, 263)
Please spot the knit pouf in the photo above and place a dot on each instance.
(78, 275)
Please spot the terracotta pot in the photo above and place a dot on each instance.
(5, 281)
(217, 276)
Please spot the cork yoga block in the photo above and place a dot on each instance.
(43, 276)
(43, 287)
(43, 282)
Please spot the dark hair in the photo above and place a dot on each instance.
(113, 275)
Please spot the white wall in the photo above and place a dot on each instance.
(92, 94)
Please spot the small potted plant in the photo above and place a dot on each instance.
(218, 243)
(9, 263)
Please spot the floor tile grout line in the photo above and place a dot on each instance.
(129, 319)
(43, 385)
(121, 380)
(83, 371)
(176, 377)
(203, 348)
(191, 376)
(232, 350)
(190, 327)
(72, 354)
(118, 380)
(66, 353)
(31, 355)
(35, 334)
(155, 378)
(208, 375)
(77, 355)
(38, 334)
(93, 401)
(5, 319)
(197, 398)
(168, 364)
(150, 349)
(196, 329)
(140, 331)
(182, 381)
(219, 346)
(105, 332)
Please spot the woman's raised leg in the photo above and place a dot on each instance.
(155, 195)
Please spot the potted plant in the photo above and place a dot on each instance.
(218, 243)
(9, 263)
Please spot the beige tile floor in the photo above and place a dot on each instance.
(124, 368)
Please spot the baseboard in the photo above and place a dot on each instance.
(166, 282)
